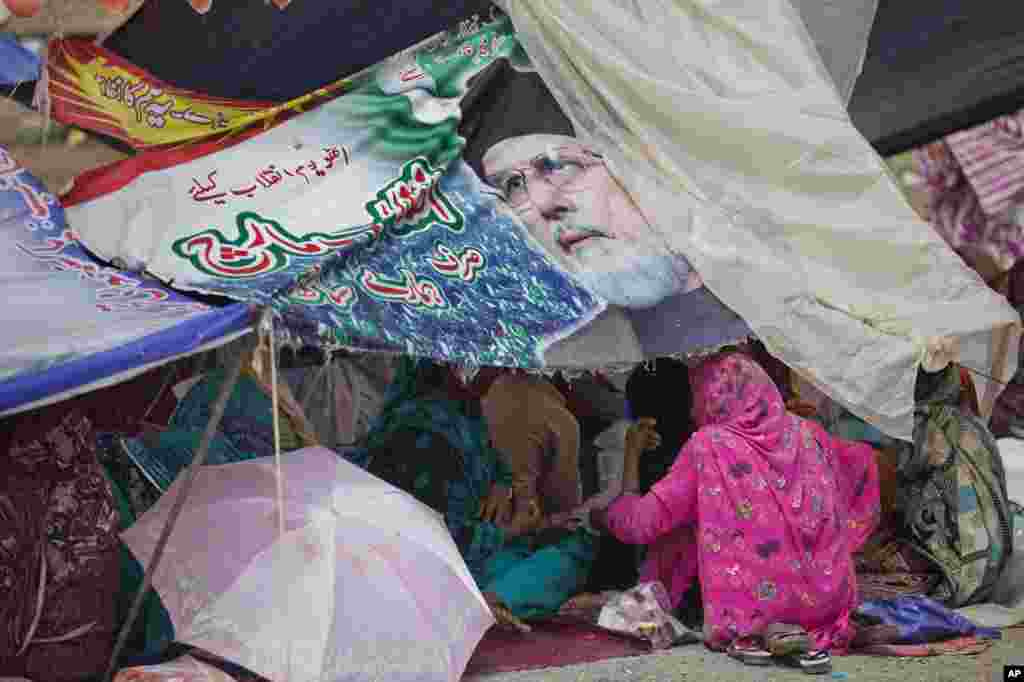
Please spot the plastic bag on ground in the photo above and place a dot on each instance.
(645, 612)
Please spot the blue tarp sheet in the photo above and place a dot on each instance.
(71, 323)
(17, 63)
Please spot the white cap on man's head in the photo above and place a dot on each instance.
(515, 151)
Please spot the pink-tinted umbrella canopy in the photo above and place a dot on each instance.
(366, 583)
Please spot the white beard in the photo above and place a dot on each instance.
(645, 281)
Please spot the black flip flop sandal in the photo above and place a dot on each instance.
(812, 662)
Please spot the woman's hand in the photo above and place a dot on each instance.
(642, 436)
(525, 522)
(805, 410)
(503, 615)
(584, 604)
(564, 521)
(498, 505)
(599, 520)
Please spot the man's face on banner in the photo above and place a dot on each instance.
(571, 204)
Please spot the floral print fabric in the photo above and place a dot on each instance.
(938, 187)
(765, 506)
(406, 408)
(992, 158)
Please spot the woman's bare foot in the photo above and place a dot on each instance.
(525, 521)
(584, 602)
(503, 615)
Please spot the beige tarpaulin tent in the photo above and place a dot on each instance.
(721, 120)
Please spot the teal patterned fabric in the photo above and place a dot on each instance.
(405, 409)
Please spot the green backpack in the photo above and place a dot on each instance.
(955, 504)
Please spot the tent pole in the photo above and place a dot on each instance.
(234, 370)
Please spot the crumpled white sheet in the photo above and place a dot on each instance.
(720, 119)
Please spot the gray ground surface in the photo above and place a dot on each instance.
(697, 664)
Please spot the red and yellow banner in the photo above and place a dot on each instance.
(95, 89)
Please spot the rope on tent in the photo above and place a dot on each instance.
(14, 90)
(41, 97)
(321, 375)
(267, 335)
(169, 375)
(228, 387)
(267, 341)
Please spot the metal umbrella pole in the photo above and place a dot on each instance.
(216, 414)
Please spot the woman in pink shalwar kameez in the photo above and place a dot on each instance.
(766, 508)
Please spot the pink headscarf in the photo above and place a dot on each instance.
(732, 391)
(733, 395)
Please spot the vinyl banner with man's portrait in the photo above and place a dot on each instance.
(441, 207)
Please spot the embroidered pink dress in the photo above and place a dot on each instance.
(765, 507)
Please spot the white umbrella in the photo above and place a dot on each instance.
(365, 584)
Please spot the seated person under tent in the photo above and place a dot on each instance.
(437, 450)
(246, 430)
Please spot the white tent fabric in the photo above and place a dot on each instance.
(840, 30)
(722, 121)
